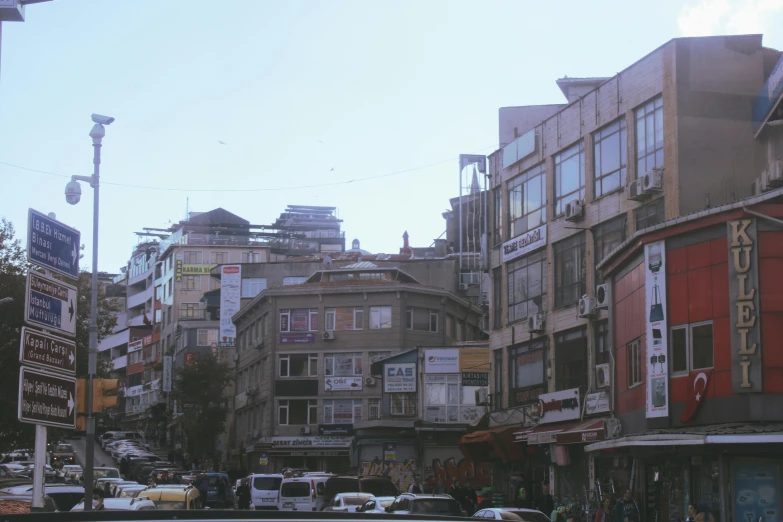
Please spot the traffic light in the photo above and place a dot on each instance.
(81, 405)
(101, 401)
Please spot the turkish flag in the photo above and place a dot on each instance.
(697, 393)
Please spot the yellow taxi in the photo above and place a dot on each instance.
(171, 496)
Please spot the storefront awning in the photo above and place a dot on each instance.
(485, 445)
(574, 432)
(660, 440)
(589, 431)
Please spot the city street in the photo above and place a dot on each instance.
(101, 457)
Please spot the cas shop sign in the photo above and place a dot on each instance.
(524, 244)
(399, 378)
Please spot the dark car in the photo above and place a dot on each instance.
(63, 454)
(431, 504)
(64, 496)
(376, 486)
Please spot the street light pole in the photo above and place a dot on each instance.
(97, 133)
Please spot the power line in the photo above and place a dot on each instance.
(267, 189)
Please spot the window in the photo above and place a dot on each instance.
(342, 364)
(447, 400)
(569, 177)
(219, 258)
(634, 363)
(251, 257)
(649, 215)
(289, 281)
(299, 320)
(380, 317)
(190, 257)
(691, 348)
(497, 298)
(298, 365)
(373, 409)
(497, 216)
(526, 371)
(403, 404)
(601, 342)
(569, 270)
(338, 319)
(191, 283)
(610, 158)
(571, 359)
(189, 311)
(470, 277)
(526, 286)
(422, 319)
(345, 411)
(207, 336)
(303, 411)
(606, 237)
(497, 367)
(364, 276)
(527, 201)
(649, 136)
(252, 286)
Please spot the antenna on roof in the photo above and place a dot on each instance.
(327, 261)
(187, 208)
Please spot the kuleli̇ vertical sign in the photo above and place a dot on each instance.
(230, 295)
(657, 336)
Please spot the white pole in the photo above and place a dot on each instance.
(39, 466)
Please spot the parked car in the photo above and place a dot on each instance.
(114, 485)
(297, 494)
(219, 492)
(512, 513)
(429, 504)
(377, 486)
(104, 472)
(64, 496)
(121, 504)
(173, 497)
(347, 502)
(375, 505)
(264, 490)
(129, 490)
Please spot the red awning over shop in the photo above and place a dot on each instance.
(573, 432)
(588, 431)
(484, 445)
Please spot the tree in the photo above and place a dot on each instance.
(200, 388)
(107, 320)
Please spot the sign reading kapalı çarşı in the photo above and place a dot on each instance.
(47, 351)
(441, 360)
(524, 244)
(559, 406)
(52, 245)
(50, 303)
(746, 374)
(657, 338)
(46, 399)
(230, 295)
(399, 378)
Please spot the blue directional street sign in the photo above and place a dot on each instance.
(53, 245)
(50, 304)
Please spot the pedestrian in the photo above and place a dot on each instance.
(626, 505)
(604, 513)
(471, 497)
(97, 498)
(124, 467)
(704, 514)
(416, 487)
(547, 501)
(456, 491)
(221, 491)
(523, 501)
(558, 515)
(692, 512)
(243, 494)
(439, 488)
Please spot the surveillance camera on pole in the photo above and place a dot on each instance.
(73, 192)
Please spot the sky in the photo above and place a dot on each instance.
(361, 105)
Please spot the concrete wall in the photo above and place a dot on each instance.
(522, 119)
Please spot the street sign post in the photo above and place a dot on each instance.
(47, 351)
(50, 304)
(47, 399)
(53, 245)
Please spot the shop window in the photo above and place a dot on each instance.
(609, 158)
(691, 347)
(526, 371)
(634, 363)
(422, 319)
(403, 404)
(299, 320)
(447, 400)
(527, 201)
(649, 136)
(345, 411)
(343, 364)
(649, 215)
(298, 365)
(606, 237)
(303, 411)
(571, 359)
(339, 319)
(570, 269)
(526, 286)
(380, 317)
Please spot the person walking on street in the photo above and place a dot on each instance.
(692, 511)
(626, 505)
(523, 501)
(243, 495)
(704, 514)
(547, 501)
(416, 487)
(604, 513)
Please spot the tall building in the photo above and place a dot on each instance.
(667, 137)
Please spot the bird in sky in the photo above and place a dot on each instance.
(222, 142)
(331, 170)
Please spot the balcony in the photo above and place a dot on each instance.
(114, 340)
(137, 321)
(136, 300)
(120, 362)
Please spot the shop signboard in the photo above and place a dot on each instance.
(343, 384)
(475, 379)
(441, 360)
(524, 244)
(167, 377)
(474, 360)
(135, 346)
(335, 430)
(399, 378)
(597, 402)
(230, 295)
(296, 338)
(655, 311)
(559, 406)
(311, 442)
(390, 451)
(195, 269)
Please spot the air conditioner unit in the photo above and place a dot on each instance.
(369, 381)
(586, 306)
(575, 210)
(328, 336)
(536, 323)
(602, 377)
(602, 296)
(464, 286)
(304, 430)
(653, 181)
(635, 190)
(482, 397)
(775, 174)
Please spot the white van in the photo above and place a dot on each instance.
(264, 490)
(297, 494)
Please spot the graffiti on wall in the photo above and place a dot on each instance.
(401, 473)
(452, 471)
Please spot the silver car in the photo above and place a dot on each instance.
(375, 505)
(512, 513)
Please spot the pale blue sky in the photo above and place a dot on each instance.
(296, 88)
